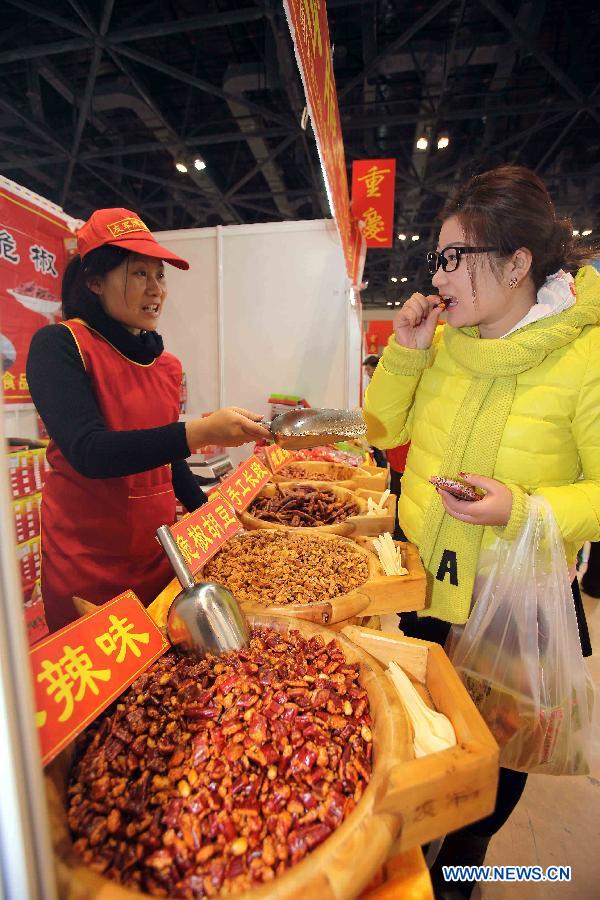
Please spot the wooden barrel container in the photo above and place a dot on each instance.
(379, 593)
(358, 524)
(343, 865)
(350, 477)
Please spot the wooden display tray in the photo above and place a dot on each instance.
(369, 478)
(342, 867)
(404, 876)
(450, 789)
(379, 594)
(360, 524)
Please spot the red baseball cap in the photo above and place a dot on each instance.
(123, 228)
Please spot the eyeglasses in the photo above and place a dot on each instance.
(449, 258)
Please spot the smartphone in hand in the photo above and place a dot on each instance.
(459, 489)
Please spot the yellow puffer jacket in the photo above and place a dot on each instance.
(551, 441)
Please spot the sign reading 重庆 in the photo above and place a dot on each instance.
(202, 533)
(79, 670)
(242, 486)
(373, 188)
(309, 28)
(278, 457)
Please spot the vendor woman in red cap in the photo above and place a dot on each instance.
(109, 397)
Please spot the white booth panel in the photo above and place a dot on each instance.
(284, 313)
(189, 323)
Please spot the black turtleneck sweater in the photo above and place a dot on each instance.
(64, 397)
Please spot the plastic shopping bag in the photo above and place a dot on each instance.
(519, 654)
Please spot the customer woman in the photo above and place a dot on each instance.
(507, 392)
(109, 396)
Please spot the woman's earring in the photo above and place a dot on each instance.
(513, 282)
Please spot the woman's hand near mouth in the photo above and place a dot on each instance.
(416, 321)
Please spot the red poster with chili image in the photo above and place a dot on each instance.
(32, 261)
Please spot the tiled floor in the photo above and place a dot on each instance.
(557, 822)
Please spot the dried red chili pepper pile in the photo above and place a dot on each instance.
(217, 775)
(304, 506)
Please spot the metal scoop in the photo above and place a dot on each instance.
(300, 428)
(204, 617)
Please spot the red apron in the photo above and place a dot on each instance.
(98, 533)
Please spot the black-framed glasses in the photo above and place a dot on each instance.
(449, 258)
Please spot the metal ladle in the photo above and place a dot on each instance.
(300, 428)
(205, 617)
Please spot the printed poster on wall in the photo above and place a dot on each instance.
(33, 254)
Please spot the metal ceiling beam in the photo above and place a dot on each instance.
(84, 109)
(273, 155)
(204, 86)
(404, 38)
(525, 41)
(558, 141)
(34, 10)
(39, 50)
(145, 176)
(142, 32)
(194, 23)
(347, 125)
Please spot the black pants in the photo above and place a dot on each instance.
(591, 580)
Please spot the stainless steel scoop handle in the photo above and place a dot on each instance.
(180, 567)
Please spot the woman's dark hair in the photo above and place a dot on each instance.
(371, 361)
(77, 298)
(510, 207)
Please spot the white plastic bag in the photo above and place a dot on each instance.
(519, 654)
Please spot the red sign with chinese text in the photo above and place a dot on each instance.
(309, 28)
(373, 190)
(242, 486)
(278, 457)
(81, 669)
(32, 261)
(202, 533)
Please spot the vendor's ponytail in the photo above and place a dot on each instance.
(77, 298)
(510, 207)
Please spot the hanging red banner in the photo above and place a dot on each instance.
(32, 261)
(307, 20)
(373, 189)
(79, 670)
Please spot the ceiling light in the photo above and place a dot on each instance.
(575, 233)
(586, 232)
(397, 303)
(401, 237)
(415, 237)
(443, 141)
(422, 143)
(389, 303)
(394, 279)
(181, 167)
(199, 164)
(403, 279)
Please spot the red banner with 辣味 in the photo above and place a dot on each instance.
(310, 33)
(32, 261)
(78, 671)
(373, 188)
